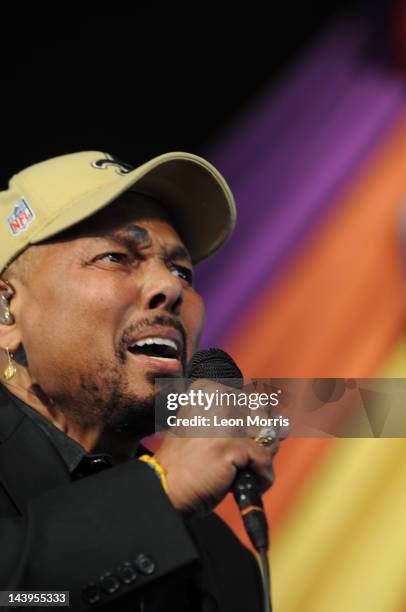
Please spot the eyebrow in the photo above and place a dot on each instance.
(137, 237)
(177, 252)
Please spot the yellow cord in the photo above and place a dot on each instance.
(160, 472)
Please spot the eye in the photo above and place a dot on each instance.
(113, 257)
(183, 273)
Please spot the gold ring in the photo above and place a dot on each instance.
(266, 437)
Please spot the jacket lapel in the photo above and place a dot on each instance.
(29, 463)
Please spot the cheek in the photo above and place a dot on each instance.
(192, 318)
(67, 321)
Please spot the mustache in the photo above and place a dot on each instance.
(147, 322)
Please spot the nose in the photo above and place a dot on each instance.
(163, 290)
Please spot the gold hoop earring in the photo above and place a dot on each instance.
(10, 369)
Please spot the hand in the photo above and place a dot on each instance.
(200, 471)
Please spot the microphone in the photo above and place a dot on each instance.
(216, 364)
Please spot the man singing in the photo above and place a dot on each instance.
(96, 301)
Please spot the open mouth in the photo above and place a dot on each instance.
(158, 348)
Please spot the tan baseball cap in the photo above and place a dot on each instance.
(51, 196)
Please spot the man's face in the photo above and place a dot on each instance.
(108, 307)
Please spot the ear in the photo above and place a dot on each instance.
(9, 332)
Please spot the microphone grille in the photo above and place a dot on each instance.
(213, 363)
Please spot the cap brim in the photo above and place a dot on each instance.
(193, 191)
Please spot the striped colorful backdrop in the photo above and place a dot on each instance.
(313, 284)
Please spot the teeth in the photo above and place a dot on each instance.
(164, 341)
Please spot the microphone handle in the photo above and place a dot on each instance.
(246, 489)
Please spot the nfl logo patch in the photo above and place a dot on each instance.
(21, 217)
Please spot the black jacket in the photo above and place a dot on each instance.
(113, 539)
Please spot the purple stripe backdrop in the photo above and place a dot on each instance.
(288, 162)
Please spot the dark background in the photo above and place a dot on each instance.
(140, 83)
